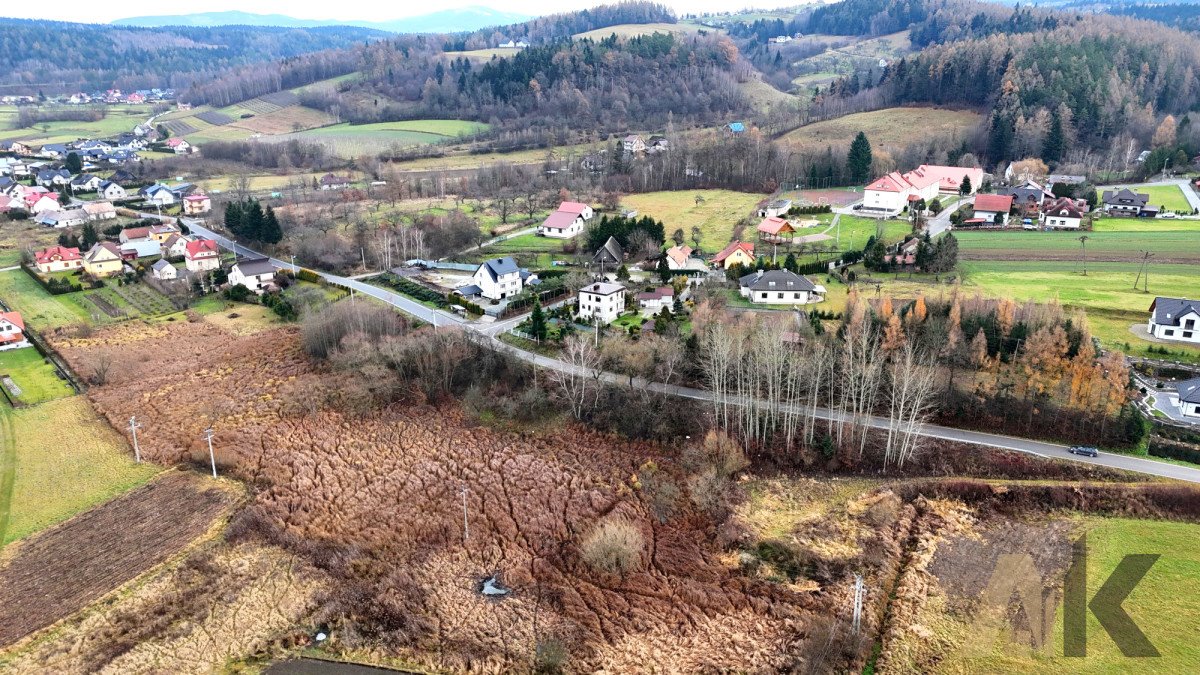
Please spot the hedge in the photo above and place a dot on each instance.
(53, 286)
(1159, 448)
(810, 210)
(308, 275)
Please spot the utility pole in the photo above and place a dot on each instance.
(293, 265)
(1083, 252)
(133, 427)
(466, 527)
(208, 434)
(859, 593)
(1143, 269)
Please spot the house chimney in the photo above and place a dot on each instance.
(760, 273)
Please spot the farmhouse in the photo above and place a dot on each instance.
(103, 260)
(737, 253)
(1188, 394)
(332, 182)
(567, 222)
(256, 274)
(12, 331)
(680, 258)
(633, 144)
(775, 230)
(110, 190)
(57, 259)
(157, 195)
(68, 218)
(196, 204)
(1063, 213)
(602, 302)
(778, 207)
(175, 246)
(993, 209)
(201, 255)
(1127, 203)
(100, 210)
(610, 253)
(132, 233)
(1175, 319)
(656, 300)
(37, 202)
(779, 287)
(1028, 198)
(164, 271)
(496, 279)
(179, 146)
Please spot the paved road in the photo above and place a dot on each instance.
(489, 333)
(941, 222)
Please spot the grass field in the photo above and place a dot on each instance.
(39, 309)
(716, 217)
(1101, 245)
(37, 379)
(350, 140)
(1169, 197)
(67, 460)
(891, 127)
(1103, 224)
(116, 120)
(629, 30)
(1161, 605)
(763, 96)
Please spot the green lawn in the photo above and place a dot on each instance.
(116, 120)
(526, 242)
(1164, 605)
(349, 140)
(717, 216)
(1104, 224)
(1169, 197)
(1176, 244)
(39, 309)
(36, 378)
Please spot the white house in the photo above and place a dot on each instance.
(158, 195)
(679, 258)
(1063, 213)
(779, 287)
(993, 209)
(110, 191)
(68, 218)
(633, 144)
(1188, 397)
(567, 222)
(891, 193)
(254, 273)
(100, 210)
(775, 208)
(601, 301)
(654, 301)
(12, 331)
(175, 246)
(201, 255)
(164, 271)
(1175, 319)
(85, 182)
(58, 259)
(495, 280)
(179, 146)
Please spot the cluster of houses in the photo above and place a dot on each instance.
(889, 195)
(91, 152)
(509, 44)
(113, 96)
(635, 144)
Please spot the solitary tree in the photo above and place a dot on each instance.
(858, 162)
(664, 270)
(537, 322)
(89, 237)
(73, 163)
(965, 187)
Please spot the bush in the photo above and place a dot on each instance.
(614, 546)
(308, 275)
(238, 293)
(1161, 448)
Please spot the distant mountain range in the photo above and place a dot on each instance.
(445, 21)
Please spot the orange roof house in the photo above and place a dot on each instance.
(739, 252)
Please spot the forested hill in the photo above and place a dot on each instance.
(546, 29)
(1185, 16)
(1099, 77)
(92, 56)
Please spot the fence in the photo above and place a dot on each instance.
(44, 348)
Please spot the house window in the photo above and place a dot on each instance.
(796, 296)
(1168, 332)
(780, 296)
(1189, 324)
(1187, 334)
(762, 296)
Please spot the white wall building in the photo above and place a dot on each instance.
(1176, 319)
(603, 301)
(779, 287)
(497, 279)
(255, 274)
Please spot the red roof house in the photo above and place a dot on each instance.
(993, 203)
(201, 248)
(573, 207)
(58, 258)
(12, 329)
(746, 247)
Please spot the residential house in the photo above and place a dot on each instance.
(181, 190)
(140, 248)
(633, 144)
(58, 259)
(993, 209)
(737, 253)
(201, 255)
(601, 301)
(657, 144)
(12, 331)
(175, 246)
(775, 230)
(85, 182)
(656, 300)
(65, 218)
(609, 255)
(157, 195)
(775, 208)
(196, 204)
(164, 271)
(100, 210)
(1063, 213)
(53, 151)
(1176, 319)
(16, 147)
(111, 190)
(52, 178)
(567, 222)
(9, 187)
(1027, 198)
(332, 182)
(509, 44)
(103, 260)
(904, 254)
(1187, 397)
(680, 258)
(39, 202)
(779, 287)
(179, 146)
(133, 234)
(256, 274)
(163, 232)
(890, 194)
(1127, 203)
(496, 279)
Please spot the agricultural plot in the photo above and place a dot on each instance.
(716, 212)
(887, 128)
(60, 571)
(215, 118)
(67, 461)
(103, 305)
(179, 127)
(117, 119)
(1179, 246)
(350, 140)
(284, 120)
(29, 379)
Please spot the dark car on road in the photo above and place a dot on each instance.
(1083, 450)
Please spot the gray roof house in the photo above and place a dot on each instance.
(779, 287)
(1126, 202)
(1176, 319)
(610, 253)
(1189, 397)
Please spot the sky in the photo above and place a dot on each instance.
(96, 12)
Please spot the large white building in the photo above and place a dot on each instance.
(891, 193)
(495, 280)
(779, 287)
(255, 274)
(1176, 319)
(1188, 397)
(567, 222)
(601, 301)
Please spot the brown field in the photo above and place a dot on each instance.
(375, 499)
(285, 121)
(887, 128)
(58, 572)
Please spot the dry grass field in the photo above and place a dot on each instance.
(891, 127)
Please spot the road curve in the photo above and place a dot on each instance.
(489, 332)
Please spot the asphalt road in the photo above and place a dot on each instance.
(489, 332)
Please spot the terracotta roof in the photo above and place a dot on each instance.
(893, 182)
(680, 254)
(774, 225)
(949, 178)
(572, 207)
(657, 294)
(14, 318)
(747, 246)
(201, 247)
(57, 253)
(1064, 207)
(993, 203)
(560, 220)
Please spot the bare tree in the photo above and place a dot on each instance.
(912, 377)
(578, 382)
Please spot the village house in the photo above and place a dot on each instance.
(196, 204)
(609, 255)
(162, 232)
(1063, 213)
(100, 210)
(332, 182)
(737, 253)
(133, 233)
(890, 194)
(140, 248)
(164, 271)
(53, 151)
(53, 178)
(601, 301)
(1187, 397)
(679, 258)
(779, 287)
(103, 260)
(111, 191)
(38, 202)
(633, 144)
(1176, 319)
(256, 274)
(657, 144)
(179, 146)
(123, 177)
(495, 280)
(201, 255)
(58, 259)
(85, 182)
(775, 208)
(1127, 203)
(67, 218)
(1027, 198)
(12, 331)
(904, 254)
(656, 300)
(157, 195)
(993, 209)
(175, 246)
(567, 222)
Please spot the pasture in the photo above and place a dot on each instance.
(717, 215)
(890, 127)
(1168, 246)
(351, 140)
(117, 119)
(631, 30)
(37, 379)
